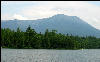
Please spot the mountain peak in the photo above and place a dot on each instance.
(60, 15)
(60, 22)
(63, 16)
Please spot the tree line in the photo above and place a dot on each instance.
(49, 40)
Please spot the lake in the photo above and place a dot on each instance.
(49, 55)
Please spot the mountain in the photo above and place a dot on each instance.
(62, 23)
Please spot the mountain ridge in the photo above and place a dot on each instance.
(60, 22)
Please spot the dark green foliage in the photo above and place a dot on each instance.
(48, 40)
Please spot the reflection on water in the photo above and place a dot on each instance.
(43, 55)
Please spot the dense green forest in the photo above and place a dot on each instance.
(49, 40)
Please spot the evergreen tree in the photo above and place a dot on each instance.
(48, 40)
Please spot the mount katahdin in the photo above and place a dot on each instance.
(62, 23)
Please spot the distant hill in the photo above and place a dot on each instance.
(62, 23)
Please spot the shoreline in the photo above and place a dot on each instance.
(47, 49)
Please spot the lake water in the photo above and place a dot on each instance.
(45, 55)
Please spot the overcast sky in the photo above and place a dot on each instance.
(89, 11)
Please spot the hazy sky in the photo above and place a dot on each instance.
(89, 11)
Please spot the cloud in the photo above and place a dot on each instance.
(6, 16)
(11, 17)
(43, 9)
(17, 16)
(88, 12)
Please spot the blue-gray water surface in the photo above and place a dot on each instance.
(49, 55)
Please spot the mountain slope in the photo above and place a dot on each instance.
(60, 22)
